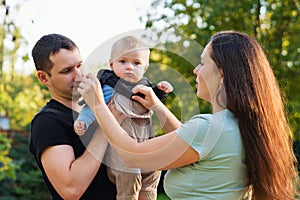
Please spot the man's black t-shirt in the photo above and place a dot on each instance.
(53, 125)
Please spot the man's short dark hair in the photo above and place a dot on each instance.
(47, 46)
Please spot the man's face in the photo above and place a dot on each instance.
(63, 82)
(131, 66)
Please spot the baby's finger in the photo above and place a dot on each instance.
(169, 88)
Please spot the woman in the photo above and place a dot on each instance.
(242, 150)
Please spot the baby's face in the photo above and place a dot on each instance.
(131, 66)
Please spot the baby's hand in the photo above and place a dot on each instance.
(79, 127)
(165, 86)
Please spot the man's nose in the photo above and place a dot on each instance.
(78, 74)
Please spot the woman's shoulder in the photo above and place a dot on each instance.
(208, 116)
(199, 122)
(205, 117)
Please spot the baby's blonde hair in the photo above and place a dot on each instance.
(127, 44)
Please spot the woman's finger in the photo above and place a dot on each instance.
(91, 77)
(142, 89)
(138, 99)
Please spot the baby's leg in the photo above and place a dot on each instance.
(128, 184)
(150, 181)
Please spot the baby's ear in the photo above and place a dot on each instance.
(145, 68)
(110, 64)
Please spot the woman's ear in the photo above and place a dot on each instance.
(43, 77)
(221, 72)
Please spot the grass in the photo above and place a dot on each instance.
(162, 196)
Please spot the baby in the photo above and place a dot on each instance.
(129, 61)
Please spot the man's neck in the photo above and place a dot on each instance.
(72, 104)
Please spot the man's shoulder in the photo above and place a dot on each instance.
(53, 109)
(50, 107)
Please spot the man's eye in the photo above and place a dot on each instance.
(67, 70)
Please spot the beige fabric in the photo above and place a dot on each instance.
(136, 121)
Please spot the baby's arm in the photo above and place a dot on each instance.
(86, 116)
(162, 89)
(84, 120)
(79, 127)
(165, 86)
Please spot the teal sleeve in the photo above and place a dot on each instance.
(193, 131)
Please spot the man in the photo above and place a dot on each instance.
(71, 165)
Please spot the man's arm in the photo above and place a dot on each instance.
(69, 176)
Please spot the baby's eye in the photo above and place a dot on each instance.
(122, 61)
(136, 63)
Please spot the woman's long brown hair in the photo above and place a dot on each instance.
(253, 95)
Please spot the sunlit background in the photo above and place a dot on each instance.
(89, 23)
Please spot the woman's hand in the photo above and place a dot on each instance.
(91, 90)
(150, 101)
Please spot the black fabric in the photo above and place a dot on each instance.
(124, 87)
(108, 77)
(53, 125)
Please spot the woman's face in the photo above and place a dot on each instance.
(208, 78)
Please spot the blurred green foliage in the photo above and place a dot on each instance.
(183, 27)
(23, 180)
(274, 23)
(8, 166)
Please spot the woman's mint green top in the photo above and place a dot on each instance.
(220, 174)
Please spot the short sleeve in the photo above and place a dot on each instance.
(194, 131)
(46, 131)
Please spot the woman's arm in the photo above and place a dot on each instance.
(163, 152)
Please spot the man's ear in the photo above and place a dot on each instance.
(43, 77)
